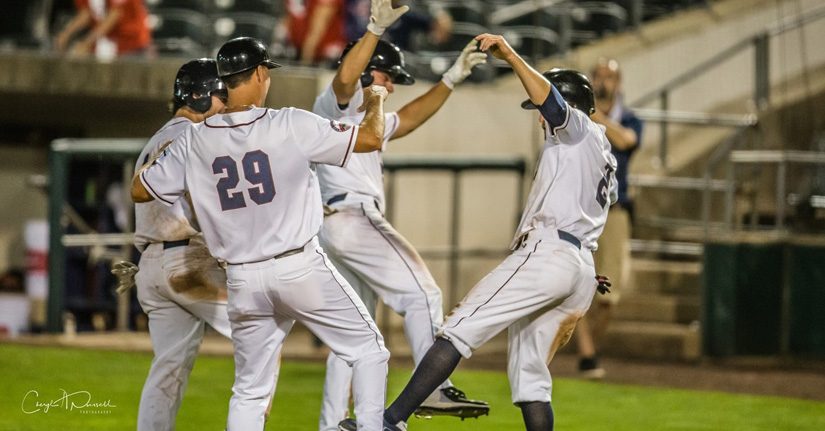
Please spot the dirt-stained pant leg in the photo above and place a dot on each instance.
(532, 294)
(176, 334)
(534, 339)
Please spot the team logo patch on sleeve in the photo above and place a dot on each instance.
(338, 126)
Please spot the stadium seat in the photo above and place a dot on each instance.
(201, 6)
(180, 32)
(24, 24)
(268, 7)
(593, 20)
(230, 26)
(531, 41)
(465, 11)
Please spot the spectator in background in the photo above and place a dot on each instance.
(116, 27)
(434, 20)
(624, 131)
(316, 29)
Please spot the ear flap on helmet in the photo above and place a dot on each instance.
(367, 78)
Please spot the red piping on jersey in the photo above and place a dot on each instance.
(237, 125)
(346, 155)
(151, 190)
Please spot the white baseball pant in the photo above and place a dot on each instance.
(538, 293)
(265, 300)
(377, 261)
(180, 289)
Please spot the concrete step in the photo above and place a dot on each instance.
(653, 340)
(667, 277)
(653, 307)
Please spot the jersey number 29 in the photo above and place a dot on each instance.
(256, 170)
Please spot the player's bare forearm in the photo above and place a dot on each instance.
(537, 87)
(371, 130)
(345, 83)
(417, 112)
(321, 17)
(80, 21)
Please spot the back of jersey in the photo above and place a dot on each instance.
(251, 180)
(575, 181)
(155, 222)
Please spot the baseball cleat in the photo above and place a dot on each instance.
(451, 402)
(347, 425)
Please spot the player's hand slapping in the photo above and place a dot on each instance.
(382, 15)
(462, 67)
(372, 92)
(497, 46)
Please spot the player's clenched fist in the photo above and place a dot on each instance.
(382, 15)
(496, 45)
(464, 65)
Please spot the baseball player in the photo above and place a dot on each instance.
(250, 177)
(369, 252)
(546, 285)
(179, 285)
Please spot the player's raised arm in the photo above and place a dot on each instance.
(549, 101)
(421, 109)
(382, 15)
(371, 130)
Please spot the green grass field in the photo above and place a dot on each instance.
(118, 377)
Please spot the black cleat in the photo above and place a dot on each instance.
(451, 402)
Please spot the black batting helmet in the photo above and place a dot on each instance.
(196, 82)
(387, 58)
(241, 54)
(574, 87)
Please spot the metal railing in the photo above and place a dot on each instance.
(760, 42)
(456, 166)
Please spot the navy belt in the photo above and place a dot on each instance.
(570, 238)
(342, 196)
(564, 236)
(172, 244)
(336, 198)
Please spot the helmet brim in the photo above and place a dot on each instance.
(270, 64)
(402, 77)
(527, 104)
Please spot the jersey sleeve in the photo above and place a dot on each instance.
(165, 180)
(321, 140)
(576, 127)
(391, 123)
(327, 106)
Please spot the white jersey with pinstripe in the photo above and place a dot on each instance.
(249, 178)
(154, 221)
(546, 285)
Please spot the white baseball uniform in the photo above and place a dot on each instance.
(180, 286)
(370, 253)
(251, 178)
(541, 290)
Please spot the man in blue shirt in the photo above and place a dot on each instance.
(624, 131)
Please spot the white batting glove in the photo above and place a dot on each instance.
(462, 67)
(125, 272)
(382, 15)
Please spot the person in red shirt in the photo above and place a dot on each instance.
(316, 29)
(121, 23)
